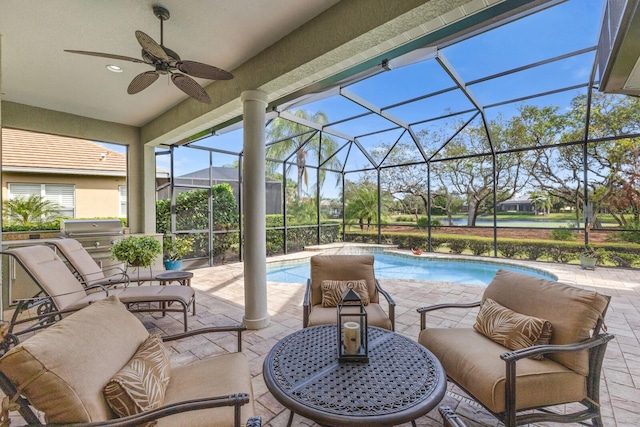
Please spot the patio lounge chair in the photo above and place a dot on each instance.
(341, 268)
(90, 273)
(101, 361)
(61, 292)
(536, 344)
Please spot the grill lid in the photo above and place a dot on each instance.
(91, 227)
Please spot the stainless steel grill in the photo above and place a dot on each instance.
(96, 236)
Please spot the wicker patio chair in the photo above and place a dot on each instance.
(90, 273)
(340, 268)
(61, 292)
(511, 366)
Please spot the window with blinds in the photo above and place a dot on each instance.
(63, 195)
(122, 190)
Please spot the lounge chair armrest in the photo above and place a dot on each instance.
(450, 418)
(391, 304)
(306, 304)
(424, 310)
(597, 343)
(212, 329)
(236, 400)
(514, 356)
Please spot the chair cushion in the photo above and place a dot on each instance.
(473, 361)
(332, 291)
(376, 316)
(213, 376)
(510, 329)
(572, 311)
(141, 384)
(341, 267)
(64, 368)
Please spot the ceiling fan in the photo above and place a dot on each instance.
(166, 61)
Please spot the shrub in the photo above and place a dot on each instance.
(632, 235)
(480, 247)
(622, 259)
(563, 233)
(533, 252)
(423, 223)
(509, 249)
(458, 246)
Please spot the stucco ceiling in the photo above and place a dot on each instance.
(37, 72)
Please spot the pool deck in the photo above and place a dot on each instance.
(220, 299)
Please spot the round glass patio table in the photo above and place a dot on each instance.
(401, 382)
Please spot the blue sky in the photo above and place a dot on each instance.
(559, 30)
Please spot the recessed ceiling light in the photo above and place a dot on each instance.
(114, 68)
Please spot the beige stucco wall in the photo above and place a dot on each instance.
(95, 196)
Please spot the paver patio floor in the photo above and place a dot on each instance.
(220, 299)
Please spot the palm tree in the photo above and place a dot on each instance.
(363, 204)
(541, 201)
(302, 143)
(30, 210)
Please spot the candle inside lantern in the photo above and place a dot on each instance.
(351, 337)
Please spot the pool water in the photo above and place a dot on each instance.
(390, 266)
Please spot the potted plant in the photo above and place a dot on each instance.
(175, 248)
(136, 251)
(588, 258)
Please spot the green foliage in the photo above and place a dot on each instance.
(138, 251)
(177, 247)
(423, 223)
(458, 246)
(631, 235)
(480, 247)
(509, 249)
(622, 259)
(563, 233)
(298, 237)
(30, 210)
(192, 213)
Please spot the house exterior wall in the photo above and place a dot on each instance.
(95, 196)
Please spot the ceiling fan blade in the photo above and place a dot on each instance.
(151, 46)
(142, 81)
(198, 69)
(190, 87)
(106, 55)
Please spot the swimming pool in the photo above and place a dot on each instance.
(397, 266)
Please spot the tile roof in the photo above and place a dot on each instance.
(39, 152)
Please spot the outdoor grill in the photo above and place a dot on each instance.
(96, 236)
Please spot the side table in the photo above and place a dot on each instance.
(182, 277)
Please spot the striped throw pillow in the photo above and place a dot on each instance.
(142, 383)
(510, 329)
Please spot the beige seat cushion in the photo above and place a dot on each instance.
(214, 376)
(573, 312)
(64, 367)
(342, 267)
(376, 316)
(473, 361)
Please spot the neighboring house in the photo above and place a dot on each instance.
(516, 205)
(222, 175)
(86, 179)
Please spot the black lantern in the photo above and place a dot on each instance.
(352, 329)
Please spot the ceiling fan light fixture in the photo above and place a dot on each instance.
(165, 62)
(114, 68)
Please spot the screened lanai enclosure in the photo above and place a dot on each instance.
(499, 143)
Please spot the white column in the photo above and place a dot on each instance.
(256, 315)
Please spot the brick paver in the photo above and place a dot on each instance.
(220, 298)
